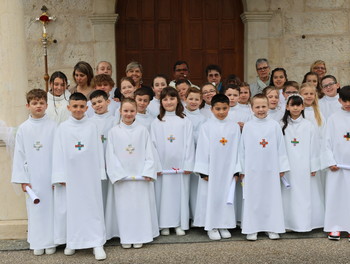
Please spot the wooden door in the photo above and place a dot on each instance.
(157, 33)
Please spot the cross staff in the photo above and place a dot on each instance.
(45, 19)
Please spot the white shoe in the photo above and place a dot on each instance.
(50, 251)
(165, 232)
(138, 245)
(214, 234)
(126, 246)
(99, 253)
(69, 252)
(224, 233)
(273, 235)
(252, 237)
(38, 252)
(179, 231)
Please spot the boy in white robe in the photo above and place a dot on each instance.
(143, 97)
(32, 168)
(336, 152)
(264, 161)
(131, 211)
(78, 164)
(104, 121)
(219, 137)
(329, 103)
(193, 101)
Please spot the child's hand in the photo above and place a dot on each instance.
(24, 185)
(281, 174)
(205, 178)
(236, 177)
(116, 99)
(187, 172)
(241, 176)
(333, 168)
(313, 173)
(63, 183)
(241, 125)
(159, 174)
(147, 178)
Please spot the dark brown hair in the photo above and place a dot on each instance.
(170, 91)
(36, 94)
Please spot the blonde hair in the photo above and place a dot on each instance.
(314, 105)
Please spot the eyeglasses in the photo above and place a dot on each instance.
(319, 68)
(181, 70)
(263, 68)
(210, 91)
(328, 85)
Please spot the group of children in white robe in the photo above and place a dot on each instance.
(137, 176)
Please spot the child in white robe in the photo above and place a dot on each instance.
(159, 82)
(329, 102)
(172, 136)
(143, 97)
(58, 98)
(78, 164)
(208, 91)
(275, 110)
(219, 137)
(336, 152)
(264, 161)
(131, 170)
(193, 101)
(313, 114)
(32, 168)
(104, 121)
(302, 150)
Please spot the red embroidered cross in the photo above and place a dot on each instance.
(347, 136)
(264, 143)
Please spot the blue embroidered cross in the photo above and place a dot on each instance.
(79, 145)
(37, 145)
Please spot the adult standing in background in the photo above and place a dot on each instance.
(181, 72)
(263, 78)
(213, 73)
(319, 67)
(134, 70)
(83, 75)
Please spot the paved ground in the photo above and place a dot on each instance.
(195, 247)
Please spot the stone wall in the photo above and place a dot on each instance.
(302, 31)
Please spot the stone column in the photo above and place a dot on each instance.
(13, 85)
(256, 28)
(103, 26)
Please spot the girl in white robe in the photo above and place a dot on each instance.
(301, 145)
(208, 91)
(275, 110)
(131, 208)
(58, 96)
(172, 136)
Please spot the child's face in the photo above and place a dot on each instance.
(193, 101)
(312, 79)
(128, 113)
(77, 108)
(289, 90)
(260, 107)
(233, 95)
(127, 90)
(182, 89)
(309, 96)
(214, 77)
(278, 79)
(169, 103)
(142, 101)
(37, 107)
(104, 87)
(58, 87)
(158, 84)
(244, 95)
(100, 105)
(80, 78)
(273, 98)
(220, 110)
(330, 87)
(208, 92)
(295, 110)
(345, 105)
(104, 68)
